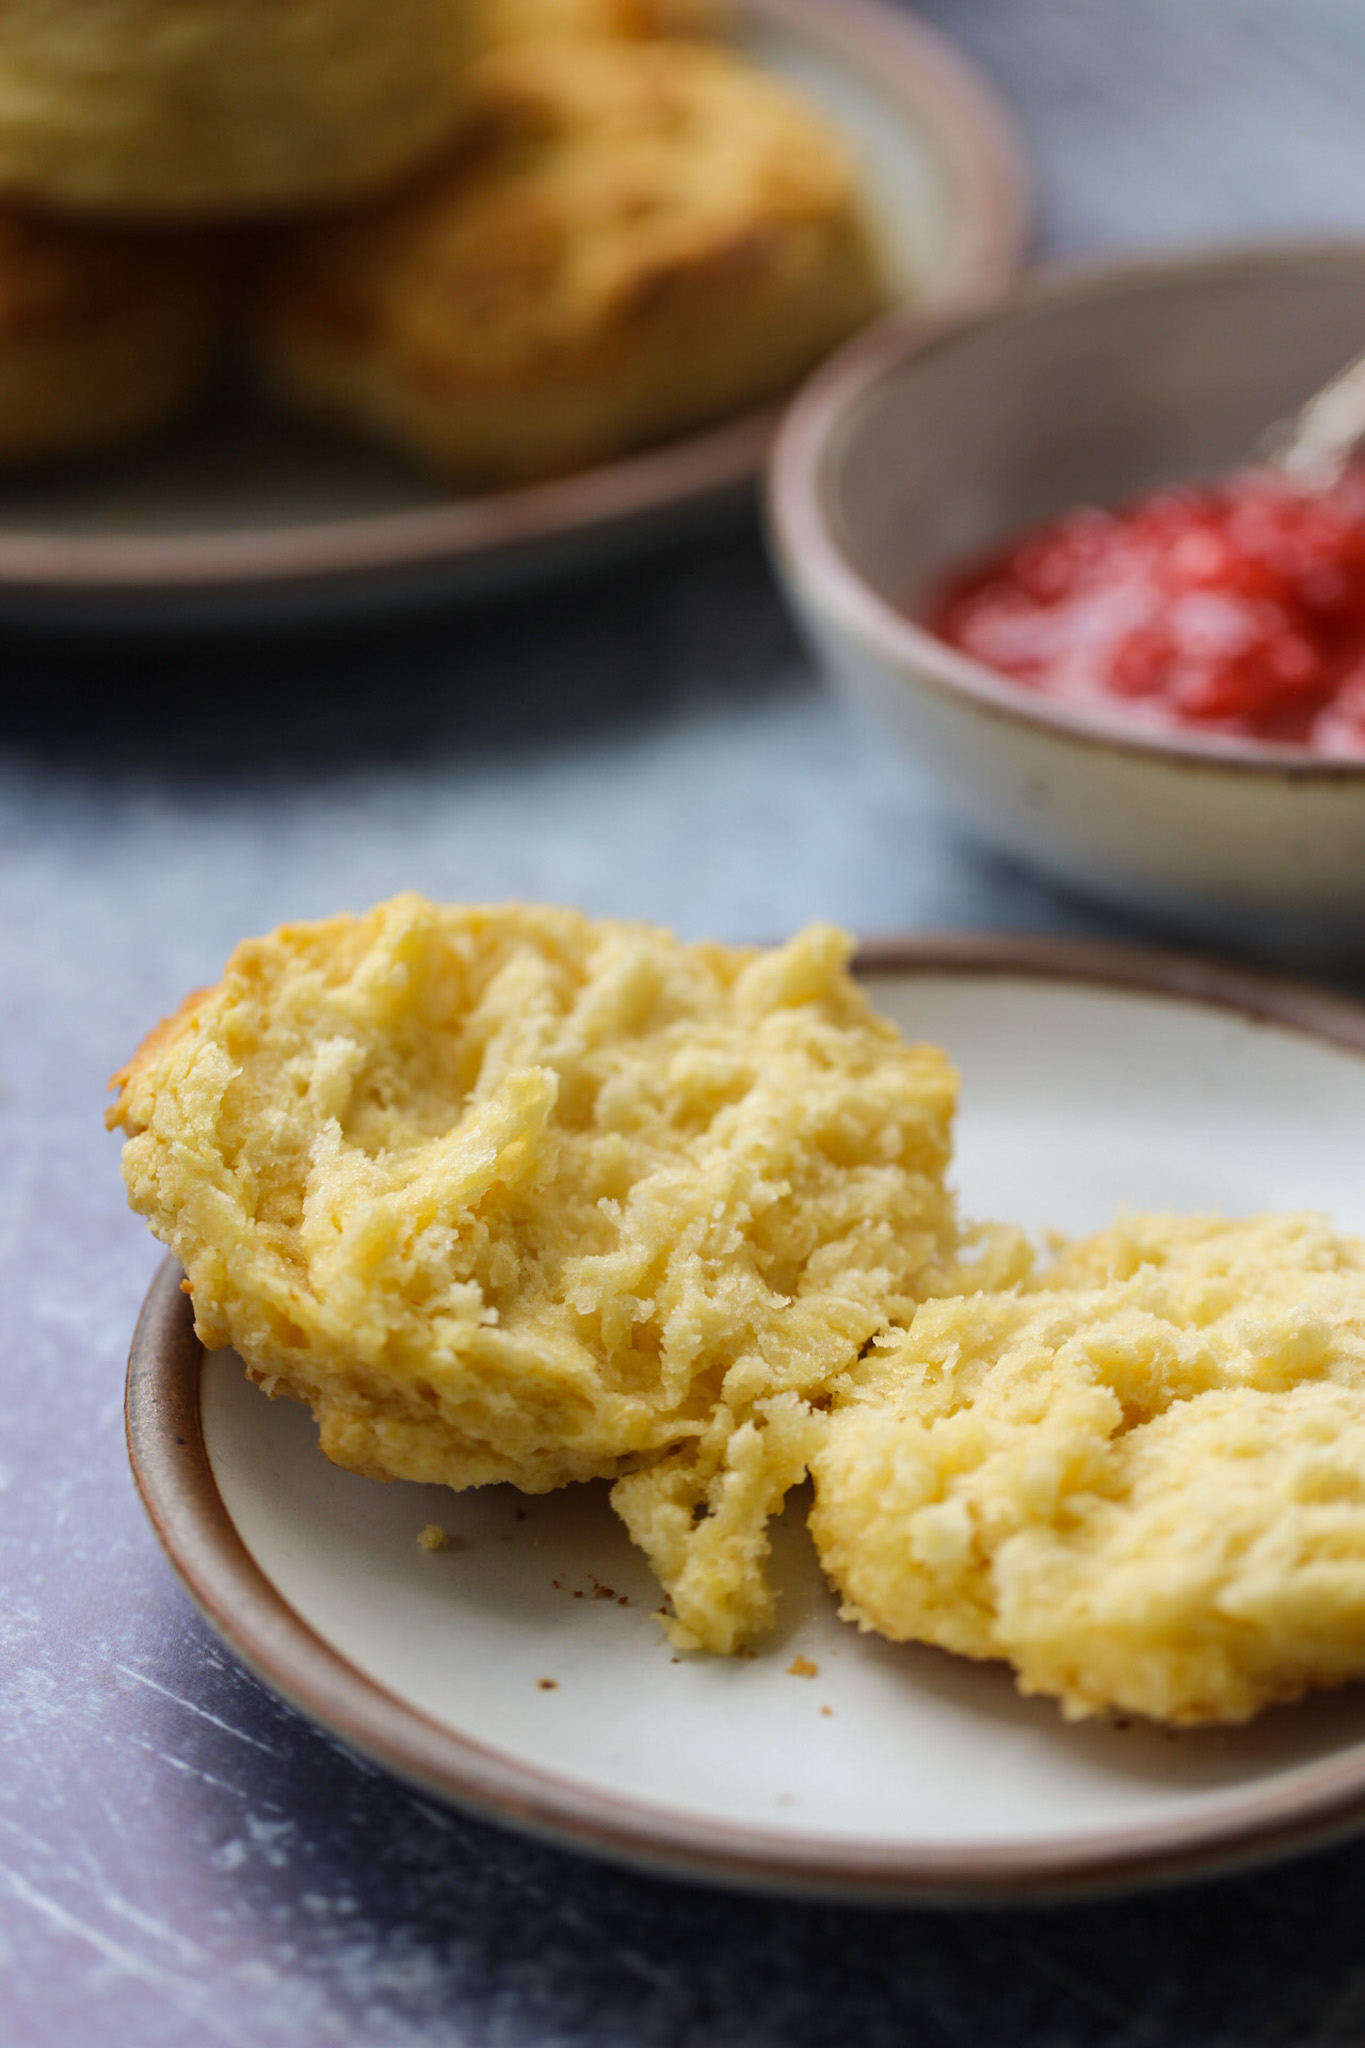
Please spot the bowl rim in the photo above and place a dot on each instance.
(803, 528)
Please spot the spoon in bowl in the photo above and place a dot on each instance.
(1311, 449)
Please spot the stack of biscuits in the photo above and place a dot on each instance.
(511, 238)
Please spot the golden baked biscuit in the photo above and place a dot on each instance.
(104, 333)
(633, 239)
(509, 1194)
(1144, 1484)
(527, 21)
(177, 107)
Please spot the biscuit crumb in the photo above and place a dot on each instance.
(803, 1667)
(547, 1684)
(433, 1537)
(826, 1711)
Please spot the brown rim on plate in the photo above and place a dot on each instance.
(804, 525)
(976, 143)
(171, 1467)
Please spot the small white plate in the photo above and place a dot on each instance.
(518, 1671)
(243, 516)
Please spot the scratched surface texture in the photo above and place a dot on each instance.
(182, 1860)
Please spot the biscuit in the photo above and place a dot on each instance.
(104, 333)
(179, 107)
(527, 21)
(633, 239)
(511, 1195)
(1143, 1483)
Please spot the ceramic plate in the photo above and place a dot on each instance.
(518, 1671)
(243, 516)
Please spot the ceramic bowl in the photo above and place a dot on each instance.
(914, 451)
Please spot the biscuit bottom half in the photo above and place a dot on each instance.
(1142, 1482)
(512, 1195)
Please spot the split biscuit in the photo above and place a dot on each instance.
(512, 1195)
(632, 240)
(160, 108)
(104, 333)
(1143, 1484)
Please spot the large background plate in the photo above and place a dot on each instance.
(1089, 1078)
(244, 516)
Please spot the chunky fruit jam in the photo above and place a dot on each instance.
(1236, 607)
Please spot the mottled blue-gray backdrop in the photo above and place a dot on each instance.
(182, 1861)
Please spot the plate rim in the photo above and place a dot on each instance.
(170, 1465)
(974, 134)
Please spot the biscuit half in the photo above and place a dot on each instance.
(509, 1194)
(633, 240)
(1143, 1485)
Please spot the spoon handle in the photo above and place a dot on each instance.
(1313, 447)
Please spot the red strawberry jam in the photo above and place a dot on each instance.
(1235, 607)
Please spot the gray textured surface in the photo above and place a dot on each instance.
(182, 1861)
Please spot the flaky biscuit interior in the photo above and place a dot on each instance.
(1142, 1484)
(510, 1194)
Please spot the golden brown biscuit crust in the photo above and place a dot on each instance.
(631, 240)
(104, 332)
(175, 108)
(530, 21)
(127, 1078)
